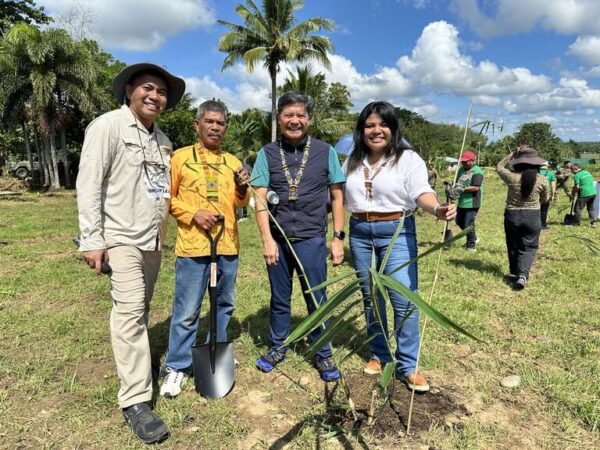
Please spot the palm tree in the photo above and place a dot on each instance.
(48, 76)
(304, 81)
(246, 133)
(272, 36)
(325, 123)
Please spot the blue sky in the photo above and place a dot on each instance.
(516, 61)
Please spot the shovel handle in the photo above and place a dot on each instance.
(214, 241)
(212, 286)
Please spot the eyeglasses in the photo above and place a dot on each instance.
(155, 167)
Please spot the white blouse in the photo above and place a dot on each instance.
(395, 188)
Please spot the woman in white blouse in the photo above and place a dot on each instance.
(385, 181)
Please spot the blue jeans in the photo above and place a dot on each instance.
(312, 253)
(191, 280)
(367, 238)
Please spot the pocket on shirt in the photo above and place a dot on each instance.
(133, 151)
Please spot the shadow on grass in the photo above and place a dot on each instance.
(257, 327)
(478, 265)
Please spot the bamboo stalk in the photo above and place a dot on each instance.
(435, 279)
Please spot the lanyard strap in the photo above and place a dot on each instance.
(294, 182)
(211, 177)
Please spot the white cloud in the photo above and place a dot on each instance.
(571, 94)
(135, 24)
(436, 66)
(385, 83)
(436, 61)
(486, 100)
(517, 16)
(245, 95)
(417, 4)
(587, 48)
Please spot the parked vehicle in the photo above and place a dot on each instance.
(22, 169)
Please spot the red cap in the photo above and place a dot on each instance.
(468, 156)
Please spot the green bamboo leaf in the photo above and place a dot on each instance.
(194, 154)
(384, 292)
(379, 287)
(322, 313)
(587, 242)
(328, 282)
(386, 375)
(390, 246)
(434, 248)
(424, 307)
(329, 333)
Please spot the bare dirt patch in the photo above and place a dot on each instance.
(439, 407)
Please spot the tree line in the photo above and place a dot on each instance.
(52, 85)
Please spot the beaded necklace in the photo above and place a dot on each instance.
(294, 182)
(369, 179)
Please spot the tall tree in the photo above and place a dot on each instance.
(539, 135)
(12, 12)
(246, 133)
(50, 75)
(271, 35)
(178, 123)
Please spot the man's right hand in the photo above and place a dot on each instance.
(205, 219)
(94, 259)
(271, 252)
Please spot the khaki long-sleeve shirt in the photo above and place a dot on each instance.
(120, 168)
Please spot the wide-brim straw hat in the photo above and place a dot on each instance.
(527, 155)
(175, 85)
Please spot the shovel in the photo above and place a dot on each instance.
(213, 362)
(570, 218)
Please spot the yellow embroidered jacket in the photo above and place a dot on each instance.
(203, 179)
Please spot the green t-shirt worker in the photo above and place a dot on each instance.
(586, 191)
(470, 180)
(544, 207)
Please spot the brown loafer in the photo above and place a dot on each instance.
(373, 367)
(417, 382)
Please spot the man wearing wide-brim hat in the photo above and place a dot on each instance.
(123, 195)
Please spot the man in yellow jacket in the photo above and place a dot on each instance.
(205, 182)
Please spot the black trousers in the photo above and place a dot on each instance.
(464, 218)
(522, 228)
(584, 202)
(544, 213)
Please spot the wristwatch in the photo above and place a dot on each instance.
(339, 234)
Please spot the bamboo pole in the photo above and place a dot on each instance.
(435, 278)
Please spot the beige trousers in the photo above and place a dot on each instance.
(133, 277)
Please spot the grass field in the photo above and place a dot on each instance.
(58, 383)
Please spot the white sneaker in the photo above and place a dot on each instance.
(173, 383)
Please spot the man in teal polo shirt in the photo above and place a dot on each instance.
(551, 177)
(470, 180)
(584, 188)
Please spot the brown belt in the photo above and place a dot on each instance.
(380, 216)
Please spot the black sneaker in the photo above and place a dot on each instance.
(521, 283)
(148, 427)
(267, 362)
(327, 369)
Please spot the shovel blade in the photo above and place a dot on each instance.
(213, 382)
(569, 219)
